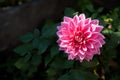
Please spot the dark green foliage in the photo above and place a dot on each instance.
(78, 75)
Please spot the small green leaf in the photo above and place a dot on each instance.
(36, 59)
(43, 45)
(90, 8)
(23, 49)
(69, 12)
(32, 69)
(100, 10)
(54, 51)
(78, 75)
(47, 59)
(48, 30)
(36, 33)
(27, 37)
(90, 64)
(94, 15)
(113, 41)
(27, 57)
(35, 43)
(20, 64)
(61, 62)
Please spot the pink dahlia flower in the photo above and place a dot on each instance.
(80, 37)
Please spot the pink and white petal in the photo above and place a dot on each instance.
(88, 57)
(98, 28)
(64, 24)
(81, 51)
(63, 44)
(76, 19)
(81, 16)
(98, 44)
(80, 25)
(84, 48)
(102, 41)
(80, 57)
(59, 33)
(62, 49)
(89, 45)
(67, 19)
(86, 28)
(93, 27)
(88, 34)
(71, 57)
(98, 51)
(100, 36)
(87, 21)
(95, 21)
(94, 35)
(58, 27)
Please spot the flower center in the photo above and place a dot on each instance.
(79, 38)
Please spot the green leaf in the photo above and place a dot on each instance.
(36, 33)
(23, 49)
(61, 63)
(94, 62)
(35, 43)
(90, 8)
(100, 10)
(69, 12)
(27, 37)
(27, 57)
(20, 64)
(47, 59)
(32, 69)
(113, 41)
(48, 30)
(78, 75)
(54, 51)
(36, 59)
(94, 15)
(43, 45)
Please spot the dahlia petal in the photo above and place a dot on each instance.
(64, 24)
(87, 21)
(98, 44)
(84, 48)
(94, 22)
(86, 28)
(58, 27)
(81, 52)
(102, 41)
(94, 35)
(76, 19)
(90, 45)
(81, 25)
(81, 57)
(89, 57)
(93, 27)
(98, 28)
(71, 24)
(88, 34)
(63, 44)
(70, 57)
(62, 49)
(67, 19)
(100, 36)
(79, 28)
(81, 16)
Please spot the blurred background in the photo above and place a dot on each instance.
(28, 48)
